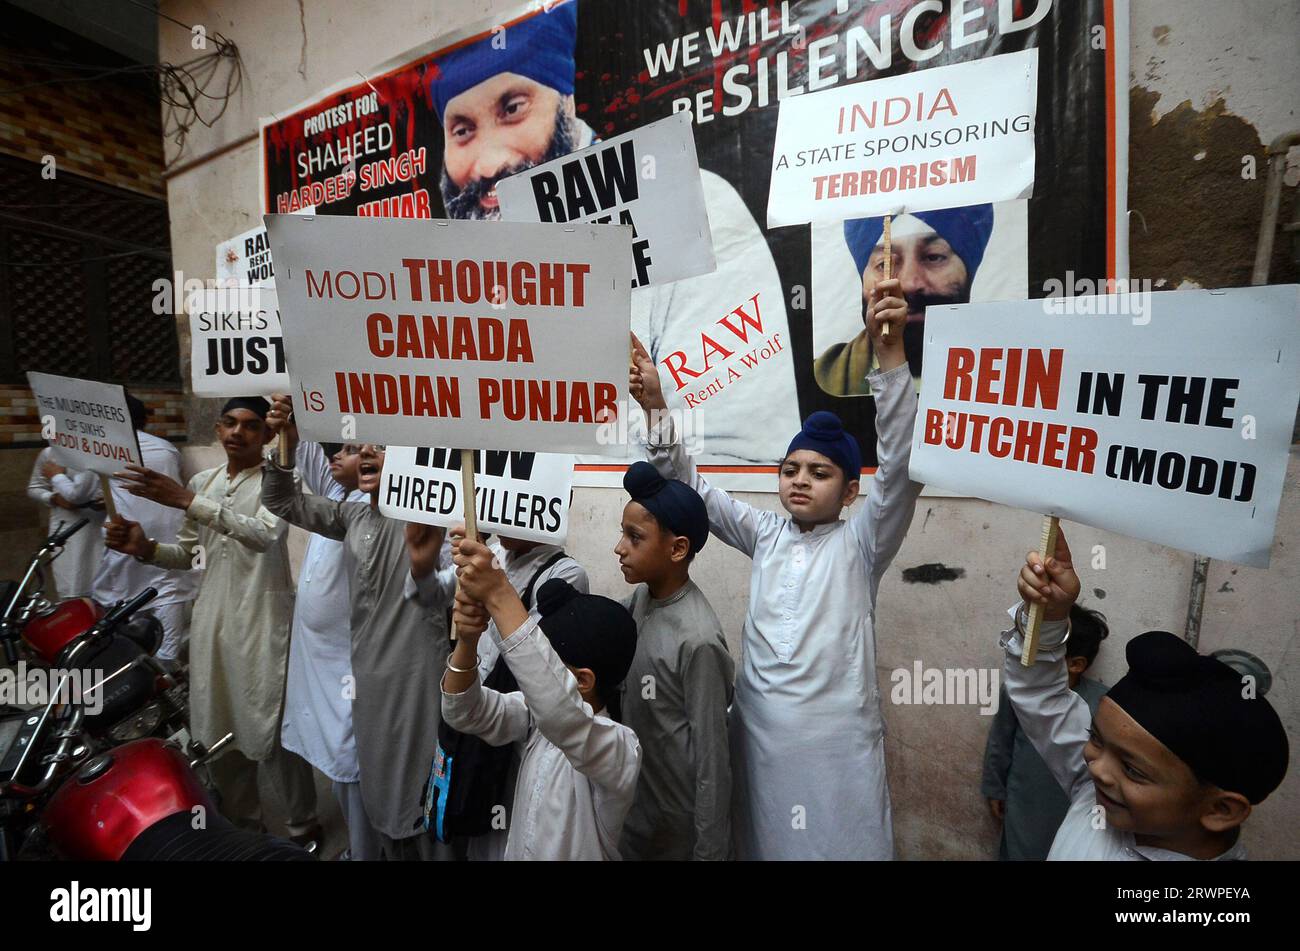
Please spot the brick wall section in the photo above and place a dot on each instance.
(108, 130)
(19, 422)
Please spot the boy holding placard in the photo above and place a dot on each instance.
(528, 566)
(1022, 793)
(679, 686)
(398, 647)
(1179, 751)
(578, 765)
(807, 738)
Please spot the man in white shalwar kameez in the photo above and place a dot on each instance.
(120, 576)
(807, 736)
(317, 721)
(71, 495)
(239, 633)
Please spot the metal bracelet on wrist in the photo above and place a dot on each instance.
(1020, 623)
(458, 670)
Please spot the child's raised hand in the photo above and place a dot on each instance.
(643, 378)
(280, 415)
(1054, 584)
(423, 545)
(470, 617)
(478, 570)
(886, 306)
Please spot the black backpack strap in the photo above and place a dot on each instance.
(532, 583)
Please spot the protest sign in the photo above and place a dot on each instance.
(87, 423)
(1135, 413)
(939, 138)
(236, 345)
(491, 335)
(648, 178)
(246, 260)
(521, 495)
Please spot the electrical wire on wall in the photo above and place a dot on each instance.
(197, 91)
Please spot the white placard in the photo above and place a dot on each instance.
(87, 423)
(246, 260)
(935, 138)
(1164, 416)
(236, 345)
(521, 495)
(481, 334)
(648, 178)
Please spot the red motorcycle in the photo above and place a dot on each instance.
(137, 696)
(80, 777)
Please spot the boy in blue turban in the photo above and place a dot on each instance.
(806, 733)
(679, 685)
(936, 255)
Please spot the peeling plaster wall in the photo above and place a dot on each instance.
(1201, 221)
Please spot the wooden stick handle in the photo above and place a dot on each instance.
(1029, 650)
(283, 446)
(110, 509)
(467, 505)
(888, 239)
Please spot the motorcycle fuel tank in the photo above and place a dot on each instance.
(113, 797)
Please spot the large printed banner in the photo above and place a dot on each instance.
(940, 138)
(87, 423)
(236, 345)
(522, 495)
(649, 179)
(774, 331)
(1135, 413)
(463, 333)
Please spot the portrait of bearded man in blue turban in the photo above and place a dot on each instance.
(506, 104)
(936, 255)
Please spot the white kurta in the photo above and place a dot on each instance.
(1057, 720)
(317, 721)
(74, 569)
(239, 634)
(121, 576)
(578, 768)
(438, 589)
(807, 736)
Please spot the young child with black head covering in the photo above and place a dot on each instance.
(1179, 751)
(679, 687)
(578, 765)
(806, 732)
(1023, 795)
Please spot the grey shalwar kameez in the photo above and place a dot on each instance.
(399, 651)
(675, 698)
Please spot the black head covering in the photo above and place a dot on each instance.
(589, 631)
(674, 503)
(139, 412)
(254, 404)
(1195, 706)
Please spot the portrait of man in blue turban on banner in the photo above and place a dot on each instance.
(506, 104)
(936, 255)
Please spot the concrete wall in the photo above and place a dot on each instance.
(1200, 67)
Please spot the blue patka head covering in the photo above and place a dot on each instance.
(823, 432)
(675, 504)
(540, 47)
(966, 229)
